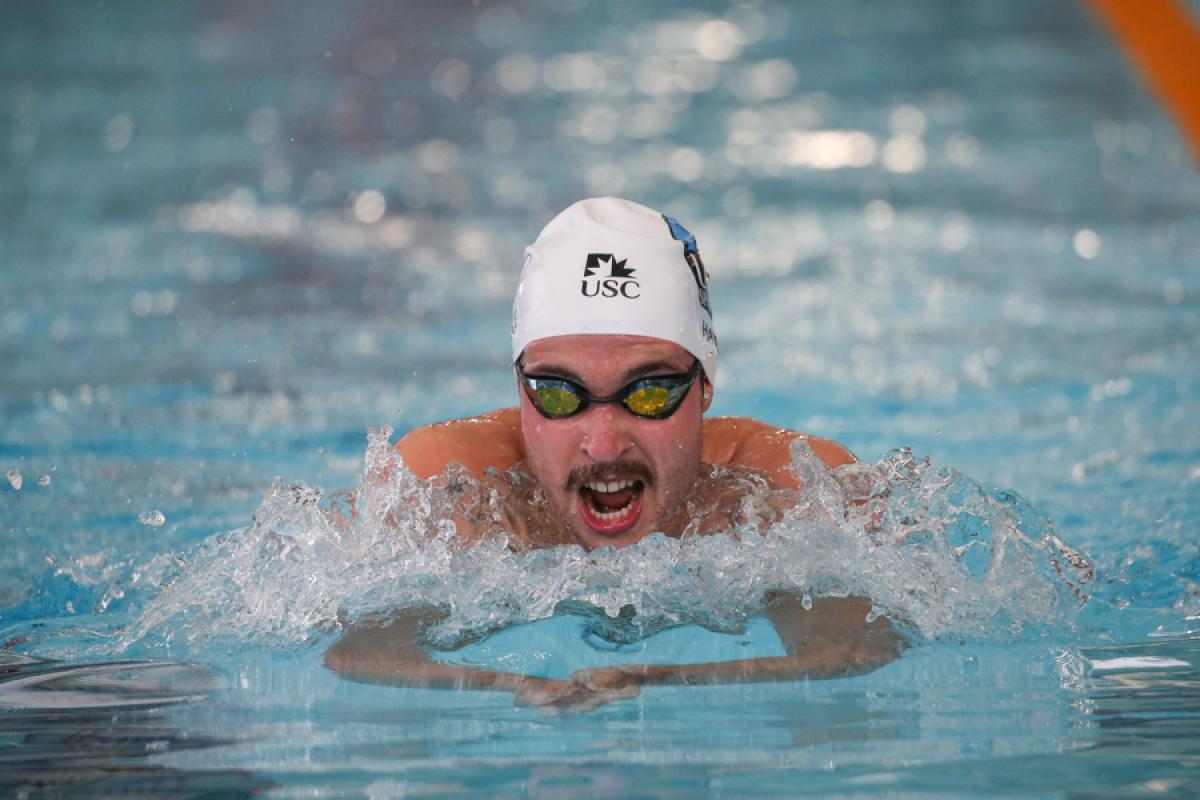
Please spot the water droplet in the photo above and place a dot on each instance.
(118, 133)
(451, 78)
(1087, 243)
(44, 480)
(14, 478)
(806, 601)
(370, 206)
(719, 40)
(153, 518)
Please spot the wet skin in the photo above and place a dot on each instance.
(613, 477)
(665, 459)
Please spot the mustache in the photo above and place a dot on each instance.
(596, 472)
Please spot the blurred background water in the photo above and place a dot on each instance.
(236, 235)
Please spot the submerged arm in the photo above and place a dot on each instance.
(833, 639)
(392, 655)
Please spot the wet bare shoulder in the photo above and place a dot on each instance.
(751, 443)
(488, 440)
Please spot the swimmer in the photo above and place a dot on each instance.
(615, 355)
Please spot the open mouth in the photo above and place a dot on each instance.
(612, 506)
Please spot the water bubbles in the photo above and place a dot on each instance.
(1107, 134)
(929, 547)
(879, 215)
(499, 26)
(738, 201)
(499, 135)
(397, 233)
(575, 72)
(719, 40)
(158, 304)
(438, 156)
(904, 153)
(58, 400)
(154, 519)
(517, 74)
(1086, 243)
(828, 149)
(471, 244)
(907, 119)
(606, 179)
(44, 481)
(652, 76)
(686, 164)
(962, 149)
(369, 207)
(598, 123)
(224, 382)
(118, 133)
(15, 479)
(955, 234)
(768, 80)
(451, 78)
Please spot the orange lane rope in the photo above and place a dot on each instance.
(1163, 42)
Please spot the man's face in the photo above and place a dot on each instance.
(613, 476)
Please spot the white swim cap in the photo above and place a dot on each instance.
(607, 265)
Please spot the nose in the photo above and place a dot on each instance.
(604, 436)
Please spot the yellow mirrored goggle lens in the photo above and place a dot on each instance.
(648, 401)
(557, 401)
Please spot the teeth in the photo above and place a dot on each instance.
(606, 515)
(608, 487)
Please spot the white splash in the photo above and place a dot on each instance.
(1138, 662)
(153, 518)
(930, 547)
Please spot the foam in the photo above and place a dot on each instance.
(932, 548)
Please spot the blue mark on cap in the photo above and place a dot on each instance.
(681, 234)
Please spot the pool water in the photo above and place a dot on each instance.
(238, 236)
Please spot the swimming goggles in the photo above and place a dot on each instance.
(650, 398)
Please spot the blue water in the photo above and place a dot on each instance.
(236, 236)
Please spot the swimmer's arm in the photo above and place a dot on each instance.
(749, 443)
(392, 655)
(489, 440)
(831, 640)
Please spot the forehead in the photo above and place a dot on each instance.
(584, 352)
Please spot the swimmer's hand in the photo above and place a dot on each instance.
(569, 697)
(389, 652)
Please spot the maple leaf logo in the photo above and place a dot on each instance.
(616, 269)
